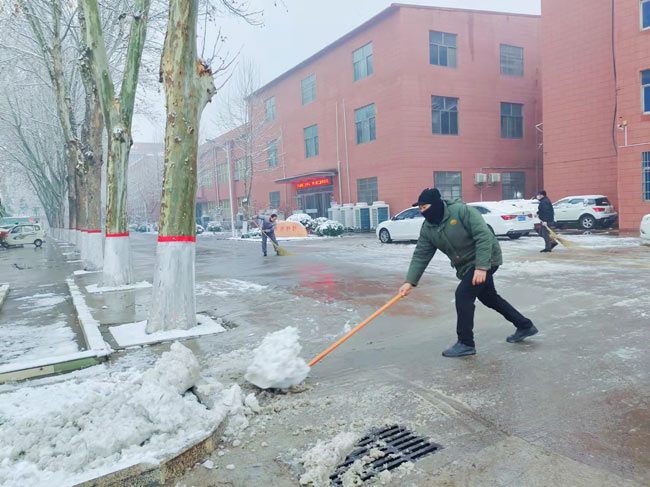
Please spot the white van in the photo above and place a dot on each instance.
(24, 235)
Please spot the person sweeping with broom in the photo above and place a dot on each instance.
(459, 231)
(268, 231)
(546, 214)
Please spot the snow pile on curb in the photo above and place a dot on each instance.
(321, 460)
(64, 433)
(276, 362)
(97, 289)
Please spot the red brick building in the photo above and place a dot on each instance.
(145, 175)
(415, 97)
(596, 81)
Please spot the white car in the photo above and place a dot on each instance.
(645, 230)
(506, 219)
(403, 226)
(24, 235)
(588, 212)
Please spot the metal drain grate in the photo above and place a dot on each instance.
(397, 444)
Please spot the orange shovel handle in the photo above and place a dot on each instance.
(352, 332)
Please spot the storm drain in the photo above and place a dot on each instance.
(384, 449)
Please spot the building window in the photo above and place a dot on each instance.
(242, 169)
(449, 183)
(514, 185)
(367, 190)
(645, 14)
(224, 206)
(362, 62)
(308, 88)
(269, 109)
(645, 158)
(272, 151)
(274, 200)
(444, 113)
(442, 49)
(512, 120)
(311, 141)
(645, 90)
(365, 120)
(512, 60)
(222, 173)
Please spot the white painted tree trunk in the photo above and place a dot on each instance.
(117, 261)
(94, 255)
(174, 301)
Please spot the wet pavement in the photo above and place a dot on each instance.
(567, 407)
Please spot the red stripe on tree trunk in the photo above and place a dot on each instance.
(94, 231)
(117, 235)
(179, 238)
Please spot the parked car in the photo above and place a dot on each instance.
(531, 206)
(199, 229)
(214, 227)
(587, 212)
(506, 219)
(403, 226)
(645, 230)
(24, 235)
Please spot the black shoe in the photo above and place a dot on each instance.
(459, 350)
(553, 245)
(264, 255)
(545, 250)
(520, 334)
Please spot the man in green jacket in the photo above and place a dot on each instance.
(459, 231)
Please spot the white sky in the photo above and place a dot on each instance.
(295, 32)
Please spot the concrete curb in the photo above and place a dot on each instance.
(4, 290)
(172, 467)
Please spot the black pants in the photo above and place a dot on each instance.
(486, 293)
(546, 235)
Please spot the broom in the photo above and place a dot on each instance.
(282, 252)
(557, 238)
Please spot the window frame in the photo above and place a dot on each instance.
(645, 176)
(366, 61)
(642, 5)
(314, 139)
(237, 176)
(308, 87)
(222, 173)
(454, 109)
(511, 116)
(510, 185)
(272, 149)
(447, 189)
(446, 47)
(369, 123)
(645, 91)
(368, 189)
(271, 206)
(271, 110)
(509, 57)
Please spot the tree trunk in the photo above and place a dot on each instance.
(118, 116)
(189, 86)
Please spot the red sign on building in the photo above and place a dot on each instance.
(312, 183)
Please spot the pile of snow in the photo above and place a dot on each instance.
(302, 218)
(96, 288)
(329, 228)
(276, 362)
(321, 460)
(67, 432)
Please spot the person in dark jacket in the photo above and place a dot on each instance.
(546, 214)
(267, 226)
(459, 231)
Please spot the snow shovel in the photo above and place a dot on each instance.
(349, 334)
(557, 238)
(277, 248)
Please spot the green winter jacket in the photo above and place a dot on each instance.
(463, 236)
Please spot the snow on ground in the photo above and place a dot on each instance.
(276, 362)
(321, 460)
(54, 431)
(96, 288)
(24, 341)
(133, 334)
(38, 302)
(226, 287)
(82, 272)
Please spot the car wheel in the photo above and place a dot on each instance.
(587, 222)
(514, 236)
(38, 242)
(384, 236)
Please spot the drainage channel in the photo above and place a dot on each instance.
(384, 449)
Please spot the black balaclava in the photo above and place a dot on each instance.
(436, 212)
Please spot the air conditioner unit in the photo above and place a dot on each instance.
(480, 178)
(362, 216)
(495, 178)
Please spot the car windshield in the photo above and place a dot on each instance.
(602, 202)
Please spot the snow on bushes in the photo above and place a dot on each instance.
(66, 432)
(302, 218)
(330, 228)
